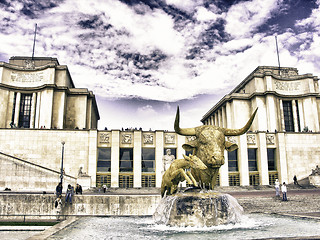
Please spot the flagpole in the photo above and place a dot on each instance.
(34, 40)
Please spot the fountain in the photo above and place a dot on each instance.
(199, 207)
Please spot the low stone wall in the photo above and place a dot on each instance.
(43, 204)
(295, 204)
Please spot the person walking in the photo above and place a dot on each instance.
(277, 187)
(284, 192)
(69, 194)
(295, 180)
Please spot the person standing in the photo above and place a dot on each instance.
(58, 206)
(277, 187)
(284, 192)
(104, 188)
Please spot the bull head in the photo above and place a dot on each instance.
(210, 143)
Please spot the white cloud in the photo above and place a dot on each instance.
(186, 5)
(204, 14)
(243, 18)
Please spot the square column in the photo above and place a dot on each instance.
(282, 159)
(271, 113)
(33, 109)
(159, 155)
(93, 156)
(17, 109)
(263, 159)
(137, 159)
(115, 152)
(243, 161)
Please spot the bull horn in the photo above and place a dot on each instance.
(236, 132)
(182, 131)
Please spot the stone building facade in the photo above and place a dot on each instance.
(284, 137)
(41, 108)
(39, 93)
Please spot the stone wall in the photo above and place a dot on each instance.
(43, 147)
(36, 204)
(18, 175)
(303, 154)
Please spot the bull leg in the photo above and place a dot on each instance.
(185, 176)
(192, 179)
(214, 178)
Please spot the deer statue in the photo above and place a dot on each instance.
(176, 173)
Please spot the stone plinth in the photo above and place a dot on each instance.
(84, 181)
(198, 209)
(314, 180)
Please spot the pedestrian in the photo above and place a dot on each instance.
(59, 189)
(295, 180)
(58, 206)
(284, 192)
(78, 189)
(104, 188)
(69, 194)
(277, 187)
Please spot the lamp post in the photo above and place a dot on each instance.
(61, 174)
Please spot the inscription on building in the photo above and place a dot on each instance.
(287, 86)
(26, 77)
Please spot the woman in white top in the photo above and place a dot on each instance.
(277, 187)
(284, 192)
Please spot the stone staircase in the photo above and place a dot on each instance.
(21, 175)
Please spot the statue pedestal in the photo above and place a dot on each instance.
(84, 181)
(198, 209)
(314, 180)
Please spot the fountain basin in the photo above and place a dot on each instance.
(198, 209)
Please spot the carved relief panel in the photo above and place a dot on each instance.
(270, 139)
(148, 138)
(251, 139)
(104, 138)
(169, 138)
(126, 138)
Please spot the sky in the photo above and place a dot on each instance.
(142, 59)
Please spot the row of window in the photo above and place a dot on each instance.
(148, 159)
(126, 159)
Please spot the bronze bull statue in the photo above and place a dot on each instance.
(209, 146)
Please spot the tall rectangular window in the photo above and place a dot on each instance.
(104, 160)
(233, 161)
(252, 159)
(25, 110)
(148, 157)
(288, 116)
(271, 153)
(126, 159)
